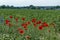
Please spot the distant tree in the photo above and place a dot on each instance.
(32, 7)
(7, 6)
(57, 6)
(12, 6)
(3, 6)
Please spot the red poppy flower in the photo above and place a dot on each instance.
(16, 19)
(45, 24)
(21, 32)
(27, 37)
(7, 21)
(24, 25)
(35, 24)
(23, 19)
(38, 22)
(11, 17)
(33, 20)
(28, 23)
(40, 27)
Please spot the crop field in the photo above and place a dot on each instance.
(29, 24)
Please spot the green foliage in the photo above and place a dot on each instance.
(44, 15)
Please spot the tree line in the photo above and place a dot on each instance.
(29, 7)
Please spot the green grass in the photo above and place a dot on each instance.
(48, 16)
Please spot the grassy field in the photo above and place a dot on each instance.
(16, 17)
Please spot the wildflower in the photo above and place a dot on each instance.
(38, 22)
(45, 24)
(23, 19)
(7, 21)
(16, 19)
(28, 23)
(27, 37)
(24, 25)
(33, 20)
(35, 24)
(11, 17)
(40, 27)
(21, 32)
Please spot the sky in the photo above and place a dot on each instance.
(30, 2)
